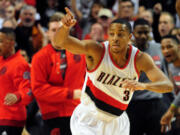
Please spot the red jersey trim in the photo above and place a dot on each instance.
(15, 123)
(105, 98)
(135, 58)
(127, 62)
(90, 71)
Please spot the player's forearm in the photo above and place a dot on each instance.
(160, 87)
(61, 37)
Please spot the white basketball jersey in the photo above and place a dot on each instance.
(102, 88)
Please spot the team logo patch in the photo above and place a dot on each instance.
(3, 70)
(26, 75)
(77, 58)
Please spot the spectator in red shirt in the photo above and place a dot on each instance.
(15, 90)
(57, 79)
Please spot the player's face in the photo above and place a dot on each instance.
(169, 49)
(141, 34)
(5, 45)
(119, 37)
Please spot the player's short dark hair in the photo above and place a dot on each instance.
(123, 21)
(9, 32)
(140, 21)
(172, 37)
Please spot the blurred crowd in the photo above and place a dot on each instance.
(57, 75)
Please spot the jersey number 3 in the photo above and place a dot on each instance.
(126, 95)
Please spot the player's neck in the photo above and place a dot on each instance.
(121, 58)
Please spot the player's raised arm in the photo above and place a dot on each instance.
(62, 39)
(159, 82)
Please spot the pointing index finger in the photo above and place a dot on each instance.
(68, 11)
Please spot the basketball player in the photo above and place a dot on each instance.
(113, 69)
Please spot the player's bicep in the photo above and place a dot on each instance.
(146, 64)
(77, 46)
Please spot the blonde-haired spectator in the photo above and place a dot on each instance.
(55, 93)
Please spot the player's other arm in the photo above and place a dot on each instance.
(159, 82)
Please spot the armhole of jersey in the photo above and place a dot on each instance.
(90, 71)
(135, 58)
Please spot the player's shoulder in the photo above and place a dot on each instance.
(142, 57)
(94, 49)
(143, 60)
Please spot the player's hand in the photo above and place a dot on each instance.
(132, 85)
(77, 94)
(166, 121)
(68, 20)
(10, 99)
